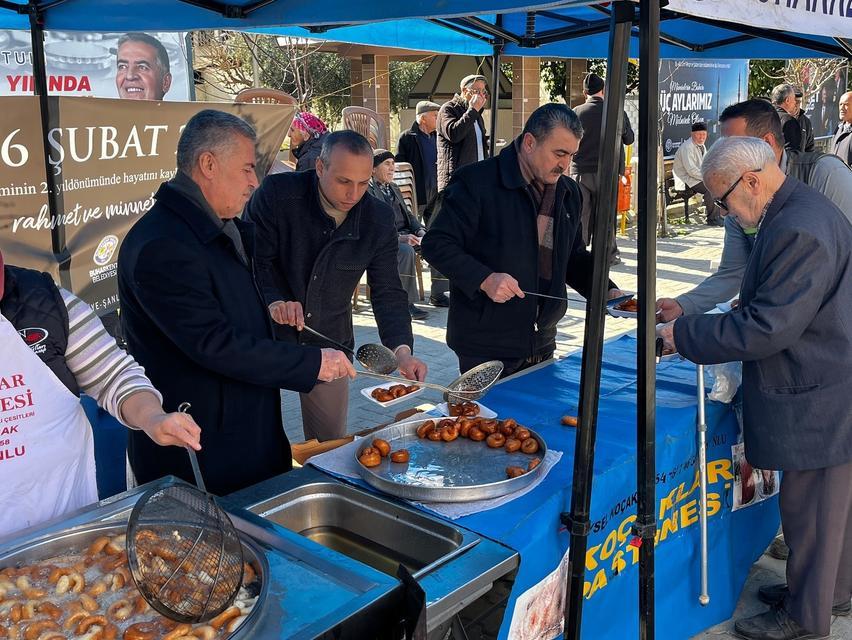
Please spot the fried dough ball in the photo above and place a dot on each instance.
(448, 434)
(424, 429)
(400, 456)
(370, 457)
(512, 445)
(476, 434)
(382, 446)
(495, 440)
(489, 426)
(569, 421)
(514, 472)
(521, 433)
(533, 464)
(530, 445)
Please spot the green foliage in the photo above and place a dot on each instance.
(763, 75)
(553, 75)
(403, 77)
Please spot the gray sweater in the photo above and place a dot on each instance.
(828, 175)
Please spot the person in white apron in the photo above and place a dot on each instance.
(47, 463)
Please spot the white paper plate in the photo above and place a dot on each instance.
(484, 412)
(366, 393)
(618, 313)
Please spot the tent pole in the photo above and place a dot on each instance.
(57, 231)
(577, 521)
(645, 526)
(495, 88)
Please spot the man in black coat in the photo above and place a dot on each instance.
(841, 145)
(461, 130)
(317, 233)
(195, 318)
(792, 335)
(798, 133)
(418, 147)
(509, 225)
(584, 165)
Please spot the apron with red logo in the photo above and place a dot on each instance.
(47, 456)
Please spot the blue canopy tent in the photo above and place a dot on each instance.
(510, 27)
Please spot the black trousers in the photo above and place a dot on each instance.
(510, 366)
(714, 216)
(816, 515)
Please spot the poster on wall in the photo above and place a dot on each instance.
(822, 104)
(134, 65)
(697, 91)
(109, 157)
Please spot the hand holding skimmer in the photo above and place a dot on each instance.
(184, 553)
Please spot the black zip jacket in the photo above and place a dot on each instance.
(487, 224)
(302, 257)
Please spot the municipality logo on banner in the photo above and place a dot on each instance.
(106, 249)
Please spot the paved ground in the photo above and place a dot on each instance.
(682, 261)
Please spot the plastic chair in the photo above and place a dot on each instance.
(403, 176)
(260, 95)
(368, 124)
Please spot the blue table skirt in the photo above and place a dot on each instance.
(531, 524)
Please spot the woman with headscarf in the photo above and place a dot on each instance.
(306, 136)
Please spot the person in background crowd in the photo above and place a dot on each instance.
(418, 147)
(306, 135)
(142, 70)
(508, 225)
(791, 334)
(317, 233)
(687, 170)
(407, 226)
(584, 165)
(823, 172)
(461, 130)
(53, 349)
(804, 122)
(841, 144)
(195, 318)
(798, 136)
(825, 111)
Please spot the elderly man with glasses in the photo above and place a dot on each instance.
(791, 335)
(461, 130)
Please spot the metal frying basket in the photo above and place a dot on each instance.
(184, 553)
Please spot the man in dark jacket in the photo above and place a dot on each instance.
(317, 233)
(584, 166)
(798, 134)
(194, 316)
(418, 147)
(791, 334)
(805, 124)
(509, 225)
(383, 188)
(461, 130)
(841, 145)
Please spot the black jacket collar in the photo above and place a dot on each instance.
(510, 171)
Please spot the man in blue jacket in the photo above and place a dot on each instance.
(195, 318)
(317, 233)
(792, 334)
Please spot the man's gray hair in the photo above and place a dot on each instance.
(549, 116)
(209, 130)
(731, 157)
(348, 140)
(781, 92)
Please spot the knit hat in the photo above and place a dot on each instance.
(424, 106)
(592, 84)
(699, 126)
(380, 155)
(468, 80)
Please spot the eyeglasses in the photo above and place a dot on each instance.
(720, 202)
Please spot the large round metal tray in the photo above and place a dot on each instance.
(457, 471)
(77, 539)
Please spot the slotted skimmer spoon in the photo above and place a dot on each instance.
(373, 357)
(471, 385)
(185, 555)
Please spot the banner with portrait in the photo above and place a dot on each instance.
(108, 157)
(697, 91)
(134, 65)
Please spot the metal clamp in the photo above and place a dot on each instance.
(645, 531)
(576, 527)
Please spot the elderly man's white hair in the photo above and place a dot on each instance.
(731, 157)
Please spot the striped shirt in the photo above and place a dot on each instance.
(103, 371)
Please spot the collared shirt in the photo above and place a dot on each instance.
(187, 187)
(338, 215)
(480, 146)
